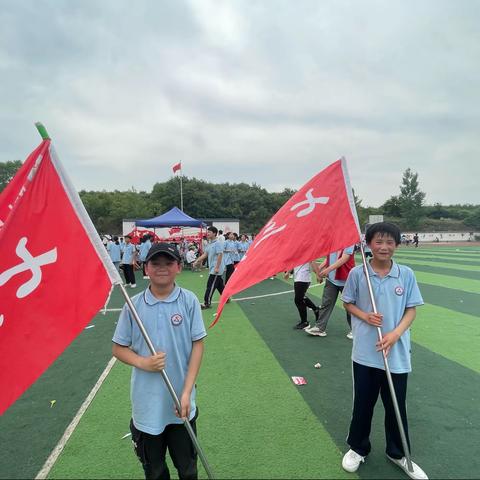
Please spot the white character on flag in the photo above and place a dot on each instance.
(269, 231)
(311, 201)
(29, 263)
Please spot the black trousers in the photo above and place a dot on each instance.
(214, 282)
(368, 383)
(128, 273)
(301, 300)
(151, 451)
(229, 269)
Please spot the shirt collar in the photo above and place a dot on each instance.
(150, 299)
(394, 271)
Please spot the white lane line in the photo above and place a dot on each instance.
(240, 299)
(43, 473)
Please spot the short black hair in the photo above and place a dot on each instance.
(213, 230)
(383, 228)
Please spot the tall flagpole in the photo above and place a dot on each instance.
(181, 188)
(387, 368)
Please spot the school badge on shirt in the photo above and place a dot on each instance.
(399, 291)
(176, 319)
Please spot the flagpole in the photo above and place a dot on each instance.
(387, 368)
(181, 188)
(168, 383)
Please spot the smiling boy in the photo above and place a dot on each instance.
(173, 320)
(397, 295)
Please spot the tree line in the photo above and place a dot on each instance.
(254, 205)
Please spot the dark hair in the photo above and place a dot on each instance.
(384, 229)
(127, 236)
(213, 230)
(115, 239)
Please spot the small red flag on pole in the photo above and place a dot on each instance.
(319, 219)
(177, 166)
(50, 286)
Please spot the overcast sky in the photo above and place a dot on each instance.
(264, 91)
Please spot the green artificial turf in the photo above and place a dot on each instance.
(254, 423)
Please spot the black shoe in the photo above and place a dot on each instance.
(204, 306)
(301, 325)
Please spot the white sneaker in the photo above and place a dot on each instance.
(417, 473)
(351, 461)
(315, 331)
(133, 285)
(350, 335)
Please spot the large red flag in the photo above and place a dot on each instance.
(177, 166)
(55, 274)
(319, 219)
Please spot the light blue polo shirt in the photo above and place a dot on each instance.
(214, 249)
(143, 250)
(115, 252)
(242, 248)
(393, 294)
(333, 257)
(172, 324)
(229, 251)
(128, 251)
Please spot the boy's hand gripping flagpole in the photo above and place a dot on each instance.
(43, 132)
(387, 368)
(169, 385)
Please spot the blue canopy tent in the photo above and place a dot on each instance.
(173, 218)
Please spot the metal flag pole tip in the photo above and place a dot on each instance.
(42, 131)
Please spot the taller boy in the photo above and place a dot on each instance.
(216, 266)
(397, 295)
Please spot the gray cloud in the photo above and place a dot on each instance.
(267, 92)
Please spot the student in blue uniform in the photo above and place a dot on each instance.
(115, 251)
(229, 254)
(397, 295)
(143, 249)
(173, 320)
(216, 266)
(129, 260)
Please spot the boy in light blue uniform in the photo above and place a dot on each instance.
(230, 250)
(145, 245)
(115, 251)
(173, 320)
(129, 259)
(397, 295)
(216, 266)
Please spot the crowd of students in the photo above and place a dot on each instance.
(128, 257)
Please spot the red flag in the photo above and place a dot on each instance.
(50, 286)
(177, 166)
(319, 219)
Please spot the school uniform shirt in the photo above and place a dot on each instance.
(143, 250)
(114, 251)
(393, 293)
(242, 248)
(302, 273)
(128, 251)
(236, 254)
(229, 252)
(172, 324)
(333, 257)
(214, 249)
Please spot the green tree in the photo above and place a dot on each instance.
(473, 219)
(8, 171)
(411, 199)
(391, 207)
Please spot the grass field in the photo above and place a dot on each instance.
(254, 422)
